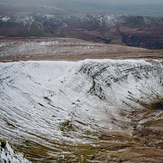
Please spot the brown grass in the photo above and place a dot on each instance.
(70, 49)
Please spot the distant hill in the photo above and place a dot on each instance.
(137, 31)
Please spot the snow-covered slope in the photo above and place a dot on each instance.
(47, 21)
(50, 103)
(59, 20)
(7, 154)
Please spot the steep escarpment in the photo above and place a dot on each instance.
(120, 82)
(92, 110)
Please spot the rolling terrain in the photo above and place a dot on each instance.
(19, 48)
(81, 82)
(61, 108)
(137, 31)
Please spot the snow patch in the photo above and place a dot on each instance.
(5, 19)
(46, 43)
(7, 154)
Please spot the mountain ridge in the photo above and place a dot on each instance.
(101, 115)
(109, 28)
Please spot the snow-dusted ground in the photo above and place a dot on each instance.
(110, 19)
(7, 154)
(60, 101)
(65, 49)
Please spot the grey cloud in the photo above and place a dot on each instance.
(75, 6)
(90, 1)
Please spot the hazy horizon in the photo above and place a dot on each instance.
(90, 1)
(139, 7)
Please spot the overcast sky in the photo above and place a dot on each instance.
(127, 1)
(137, 7)
(90, 1)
